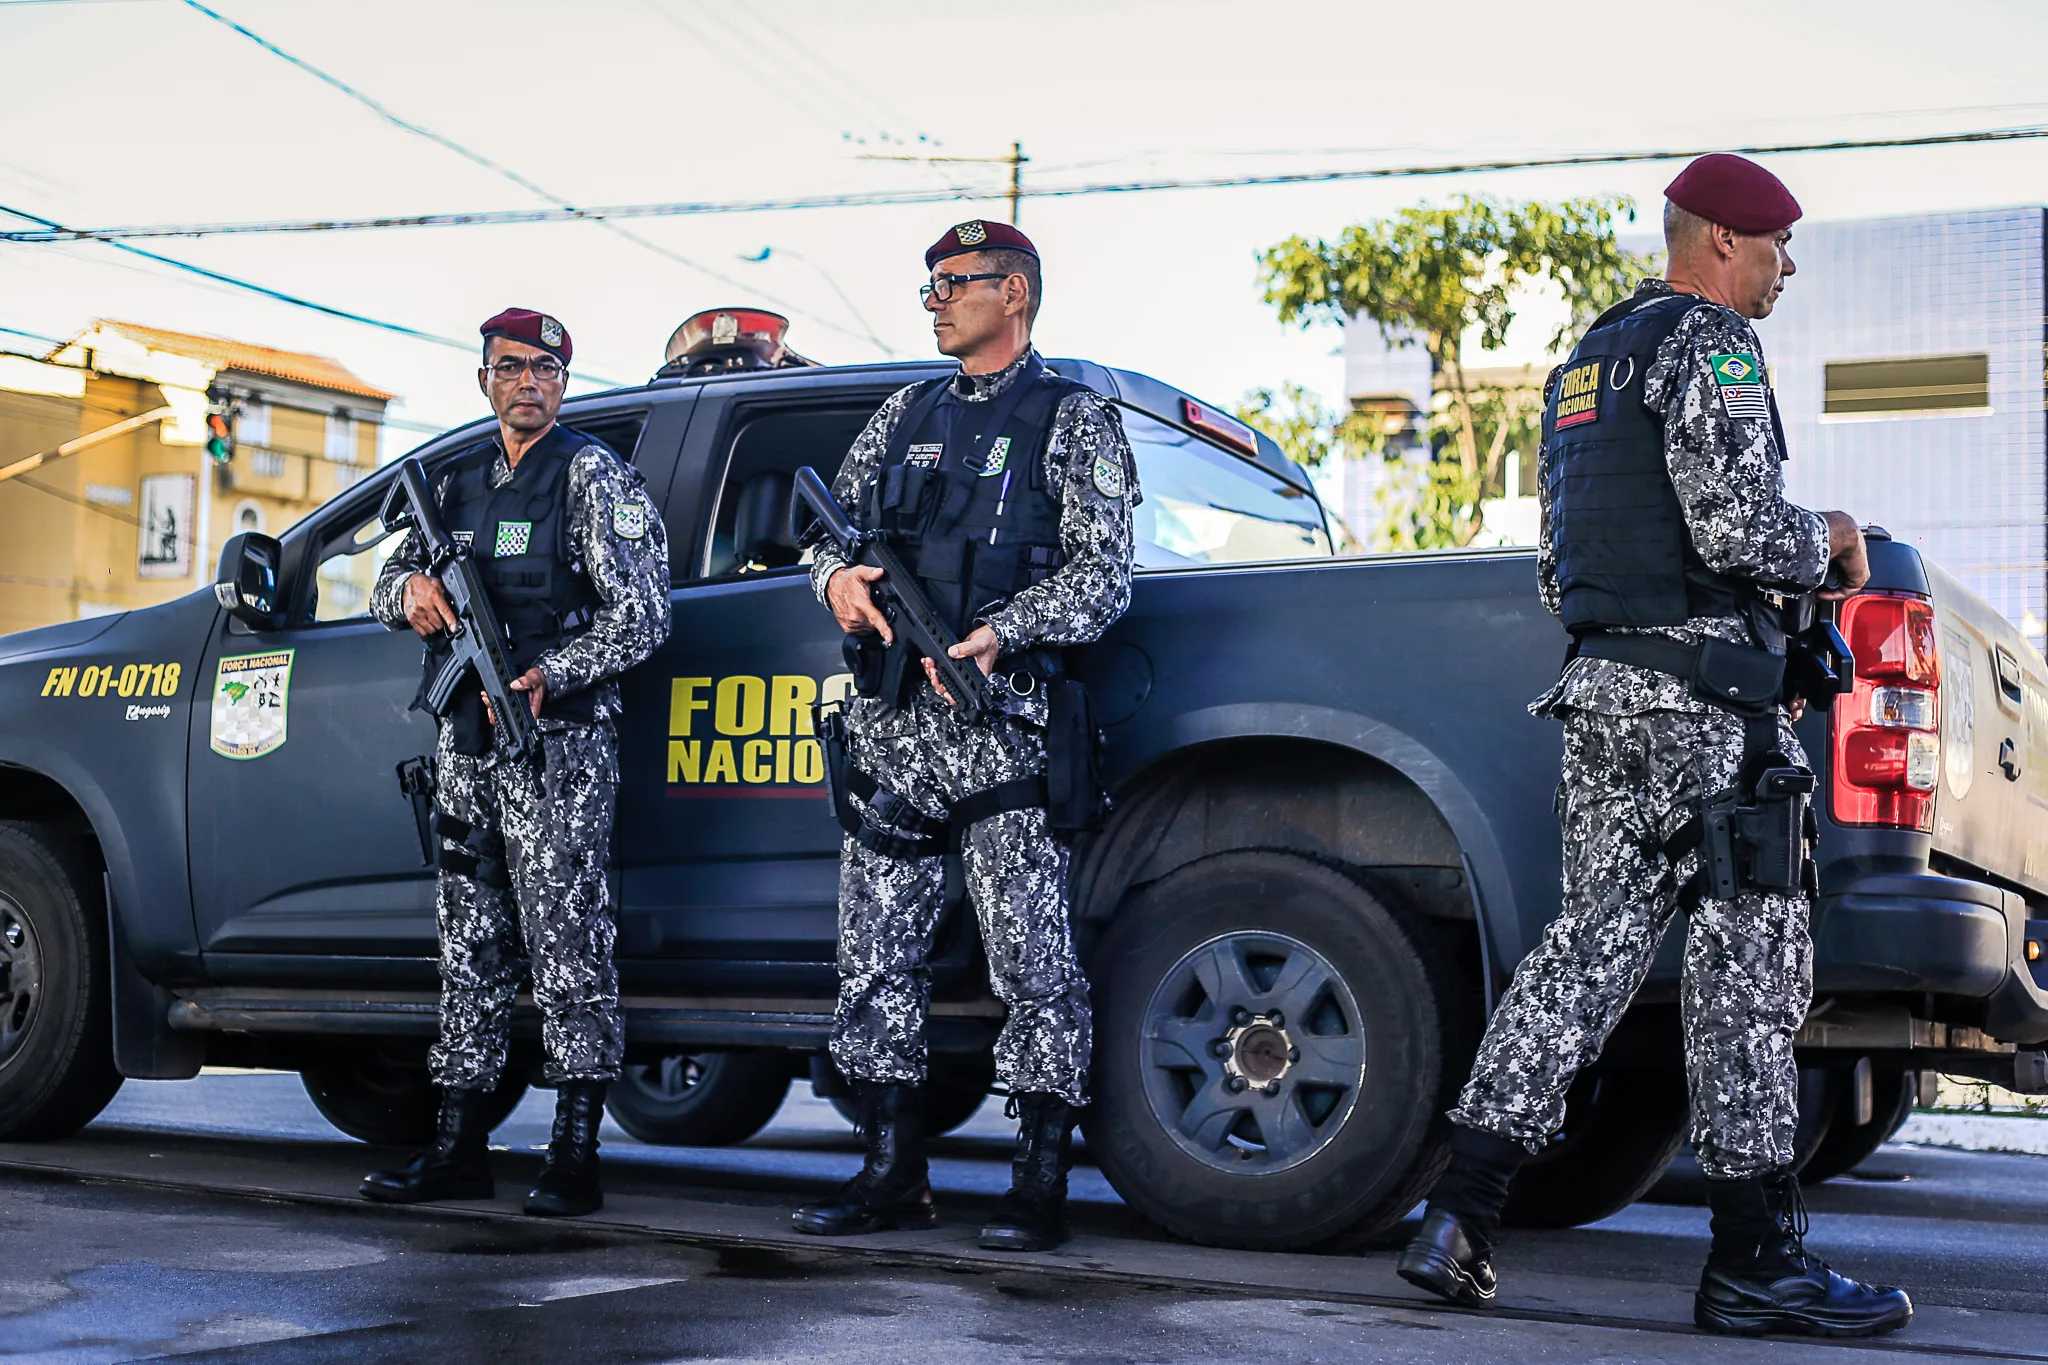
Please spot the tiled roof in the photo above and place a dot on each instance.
(319, 371)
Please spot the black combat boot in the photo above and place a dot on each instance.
(456, 1165)
(1033, 1215)
(1761, 1278)
(894, 1187)
(568, 1183)
(1451, 1255)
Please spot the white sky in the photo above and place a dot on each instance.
(129, 111)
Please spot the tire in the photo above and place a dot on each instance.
(699, 1099)
(1621, 1129)
(1847, 1144)
(1820, 1092)
(950, 1098)
(1342, 1147)
(56, 1007)
(378, 1094)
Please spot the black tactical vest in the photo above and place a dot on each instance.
(962, 493)
(519, 535)
(1624, 554)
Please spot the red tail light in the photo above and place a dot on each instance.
(1885, 733)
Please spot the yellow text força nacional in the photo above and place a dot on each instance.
(746, 731)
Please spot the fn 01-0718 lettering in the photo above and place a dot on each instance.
(114, 680)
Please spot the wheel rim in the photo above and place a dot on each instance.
(669, 1081)
(21, 978)
(1253, 1055)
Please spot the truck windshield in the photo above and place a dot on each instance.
(1203, 505)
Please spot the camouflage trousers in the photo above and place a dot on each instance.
(1016, 873)
(553, 811)
(1629, 783)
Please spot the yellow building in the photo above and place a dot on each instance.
(109, 499)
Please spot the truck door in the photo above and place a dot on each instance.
(728, 849)
(306, 861)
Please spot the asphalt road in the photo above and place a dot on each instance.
(213, 1219)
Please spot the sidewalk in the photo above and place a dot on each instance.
(1972, 1116)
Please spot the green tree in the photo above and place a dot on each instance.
(1428, 276)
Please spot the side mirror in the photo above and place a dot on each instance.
(246, 585)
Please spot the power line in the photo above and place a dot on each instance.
(72, 235)
(868, 199)
(497, 168)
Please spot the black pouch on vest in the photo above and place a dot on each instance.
(1075, 801)
(1738, 678)
(864, 655)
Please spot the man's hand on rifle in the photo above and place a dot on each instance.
(982, 647)
(854, 606)
(427, 608)
(533, 683)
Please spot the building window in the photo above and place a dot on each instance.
(249, 516)
(252, 425)
(1923, 384)
(266, 464)
(341, 438)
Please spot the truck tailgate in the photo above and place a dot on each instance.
(1991, 801)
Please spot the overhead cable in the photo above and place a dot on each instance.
(567, 210)
(859, 199)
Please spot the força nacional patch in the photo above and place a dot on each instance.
(252, 698)
(629, 520)
(1578, 395)
(998, 457)
(1109, 477)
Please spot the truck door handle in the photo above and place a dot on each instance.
(2008, 759)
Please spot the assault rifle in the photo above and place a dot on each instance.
(896, 592)
(478, 646)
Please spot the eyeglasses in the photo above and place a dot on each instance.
(941, 287)
(545, 368)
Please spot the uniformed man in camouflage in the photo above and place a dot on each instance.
(574, 558)
(1665, 525)
(1008, 490)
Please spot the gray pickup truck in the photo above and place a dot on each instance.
(1332, 838)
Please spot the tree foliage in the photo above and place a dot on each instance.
(1429, 276)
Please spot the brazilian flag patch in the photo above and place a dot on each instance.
(1736, 367)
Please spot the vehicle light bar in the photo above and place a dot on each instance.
(1221, 425)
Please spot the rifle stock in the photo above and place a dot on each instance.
(478, 647)
(897, 593)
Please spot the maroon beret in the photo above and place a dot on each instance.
(977, 235)
(1734, 192)
(535, 329)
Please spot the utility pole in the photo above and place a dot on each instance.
(1015, 161)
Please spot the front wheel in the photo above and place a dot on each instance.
(1847, 1143)
(378, 1094)
(56, 1009)
(699, 1099)
(1271, 1058)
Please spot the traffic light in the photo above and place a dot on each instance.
(220, 438)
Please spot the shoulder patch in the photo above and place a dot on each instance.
(629, 520)
(1109, 477)
(1735, 367)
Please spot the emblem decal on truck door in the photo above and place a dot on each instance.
(1958, 712)
(251, 702)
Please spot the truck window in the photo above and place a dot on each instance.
(1204, 505)
(350, 560)
(750, 530)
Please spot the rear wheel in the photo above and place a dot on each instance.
(1847, 1143)
(56, 1011)
(1621, 1129)
(1271, 1059)
(699, 1099)
(379, 1094)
